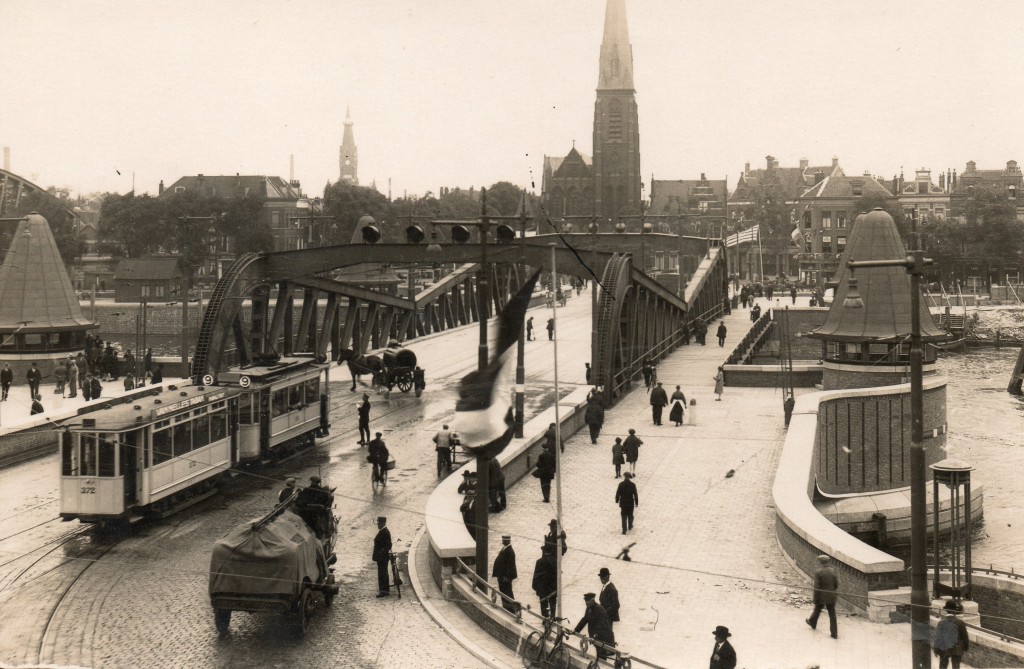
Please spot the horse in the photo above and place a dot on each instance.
(361, 364)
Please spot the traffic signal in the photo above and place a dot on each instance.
(460, 234)
(504, 234)
(414, 234)
(371, 234)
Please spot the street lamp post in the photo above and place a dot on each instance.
(914, 263)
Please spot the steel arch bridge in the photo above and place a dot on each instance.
(636, 317)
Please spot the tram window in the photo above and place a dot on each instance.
(294, 397)
(218, 426)
(88, 455)
(107, 451)
(245, 409)
(200, 432)
(162, 446)
(69, 464)
(312, 391)
(280, 406)
(182, 438)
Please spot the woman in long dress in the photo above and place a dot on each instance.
(678, 402)
(719, 384)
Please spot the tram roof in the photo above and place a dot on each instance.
(150, 408)
(262, 373)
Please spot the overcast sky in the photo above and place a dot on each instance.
(468, 92)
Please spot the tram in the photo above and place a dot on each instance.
(164, 451)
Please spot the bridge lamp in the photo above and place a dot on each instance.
(414, 234)
(460, 234)
(504, 234)
(620, 227)
(371, 234)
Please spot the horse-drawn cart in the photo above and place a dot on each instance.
(400, 369)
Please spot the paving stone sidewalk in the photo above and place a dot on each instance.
(705, 552)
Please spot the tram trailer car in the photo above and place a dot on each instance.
(165, 451)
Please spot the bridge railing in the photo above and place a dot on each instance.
(752, 341)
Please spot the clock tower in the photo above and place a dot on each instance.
(616, 162)
(349, 158)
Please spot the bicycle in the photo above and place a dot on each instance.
(559, 657)
(396, 575)
(444, 459)
(378, 477)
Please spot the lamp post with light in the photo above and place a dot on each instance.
(914, 263)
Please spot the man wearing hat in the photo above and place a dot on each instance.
(287, 491)
(723, 656)
(378, 455)
(552, 537)
(364, 420)
(628, 499)
(545, 581)
(826, 583)
(595, 618)
(381, 555)
(505, 571)
(951, 640)
(609, 597)
(545, 470)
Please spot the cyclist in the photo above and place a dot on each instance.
(443, 446)
(378, 456)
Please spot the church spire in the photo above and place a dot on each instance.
(349, 156)
(616, 68)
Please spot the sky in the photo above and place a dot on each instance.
(469, 92)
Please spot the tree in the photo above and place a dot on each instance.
(62, 222)
(347, 203)
(241, 220)
(131, 226)
(504, 198)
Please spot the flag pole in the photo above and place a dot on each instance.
(760, 255)
(558, 445)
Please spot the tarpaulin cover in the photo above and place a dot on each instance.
(272, 560)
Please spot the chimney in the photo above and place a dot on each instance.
(7, 159)
(746, 168)
(942, 181)
(1011, 167)
(160, 188)
(835, 161)
(770, 160)
(954, 180)
(702, 177)
(895, 185)
(970, 167)
(804, 163)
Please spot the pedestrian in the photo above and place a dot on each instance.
(595, 619)
(96, 388)
(378, 456)
(550, 436)
(37, 405)
(677, 413)
(382, 555)
(364, 420)
(609, 596)
(496, 486)
(545, 582)
(72, 376)
(723, 656)
(951, 640)
(551, 329)
(744, 296)
(721, 333)
(147, 360)
(587, 373)
(719, 384)
(529, 329)
(659, 400)
(545, 470)
(60, 374)
(700, 330)
(6, 379)
(826, 583)
(617, 457)
(552, 538)
(769, 291)
(129, 380)
(594, 416)
(443, 447)
(287, 491)
(647, 369)
(755, 313)
(631, 447)
(628, 499)
(87, 386)
(34, 376)
(505, 571)
(129, 362)
(792, 293)
(158, 374)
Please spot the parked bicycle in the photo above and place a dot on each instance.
(396, 574)
(559, 656)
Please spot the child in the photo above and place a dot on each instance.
(617, 457)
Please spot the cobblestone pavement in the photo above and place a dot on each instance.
(144, 603)
(705, 551)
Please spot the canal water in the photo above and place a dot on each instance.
(986, 429)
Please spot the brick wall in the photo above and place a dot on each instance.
(26, 444)
(863, 443)
(802, 320)
(1001, 603)
(755, 376)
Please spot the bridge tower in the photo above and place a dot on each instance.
(616, 165)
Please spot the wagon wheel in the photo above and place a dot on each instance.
(377, 379)
(405, 384)
(304, 613)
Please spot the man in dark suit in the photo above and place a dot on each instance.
(659, 400)
(6, 379)
(505, 571)
(598, 628)
(627, 498)
(34, 376)
(381, 555)
(826, 583)
(364, 420)
(545, 581)
(609, 597)
(723, 656)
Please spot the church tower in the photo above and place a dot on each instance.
(616, 162)
(349, 158)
